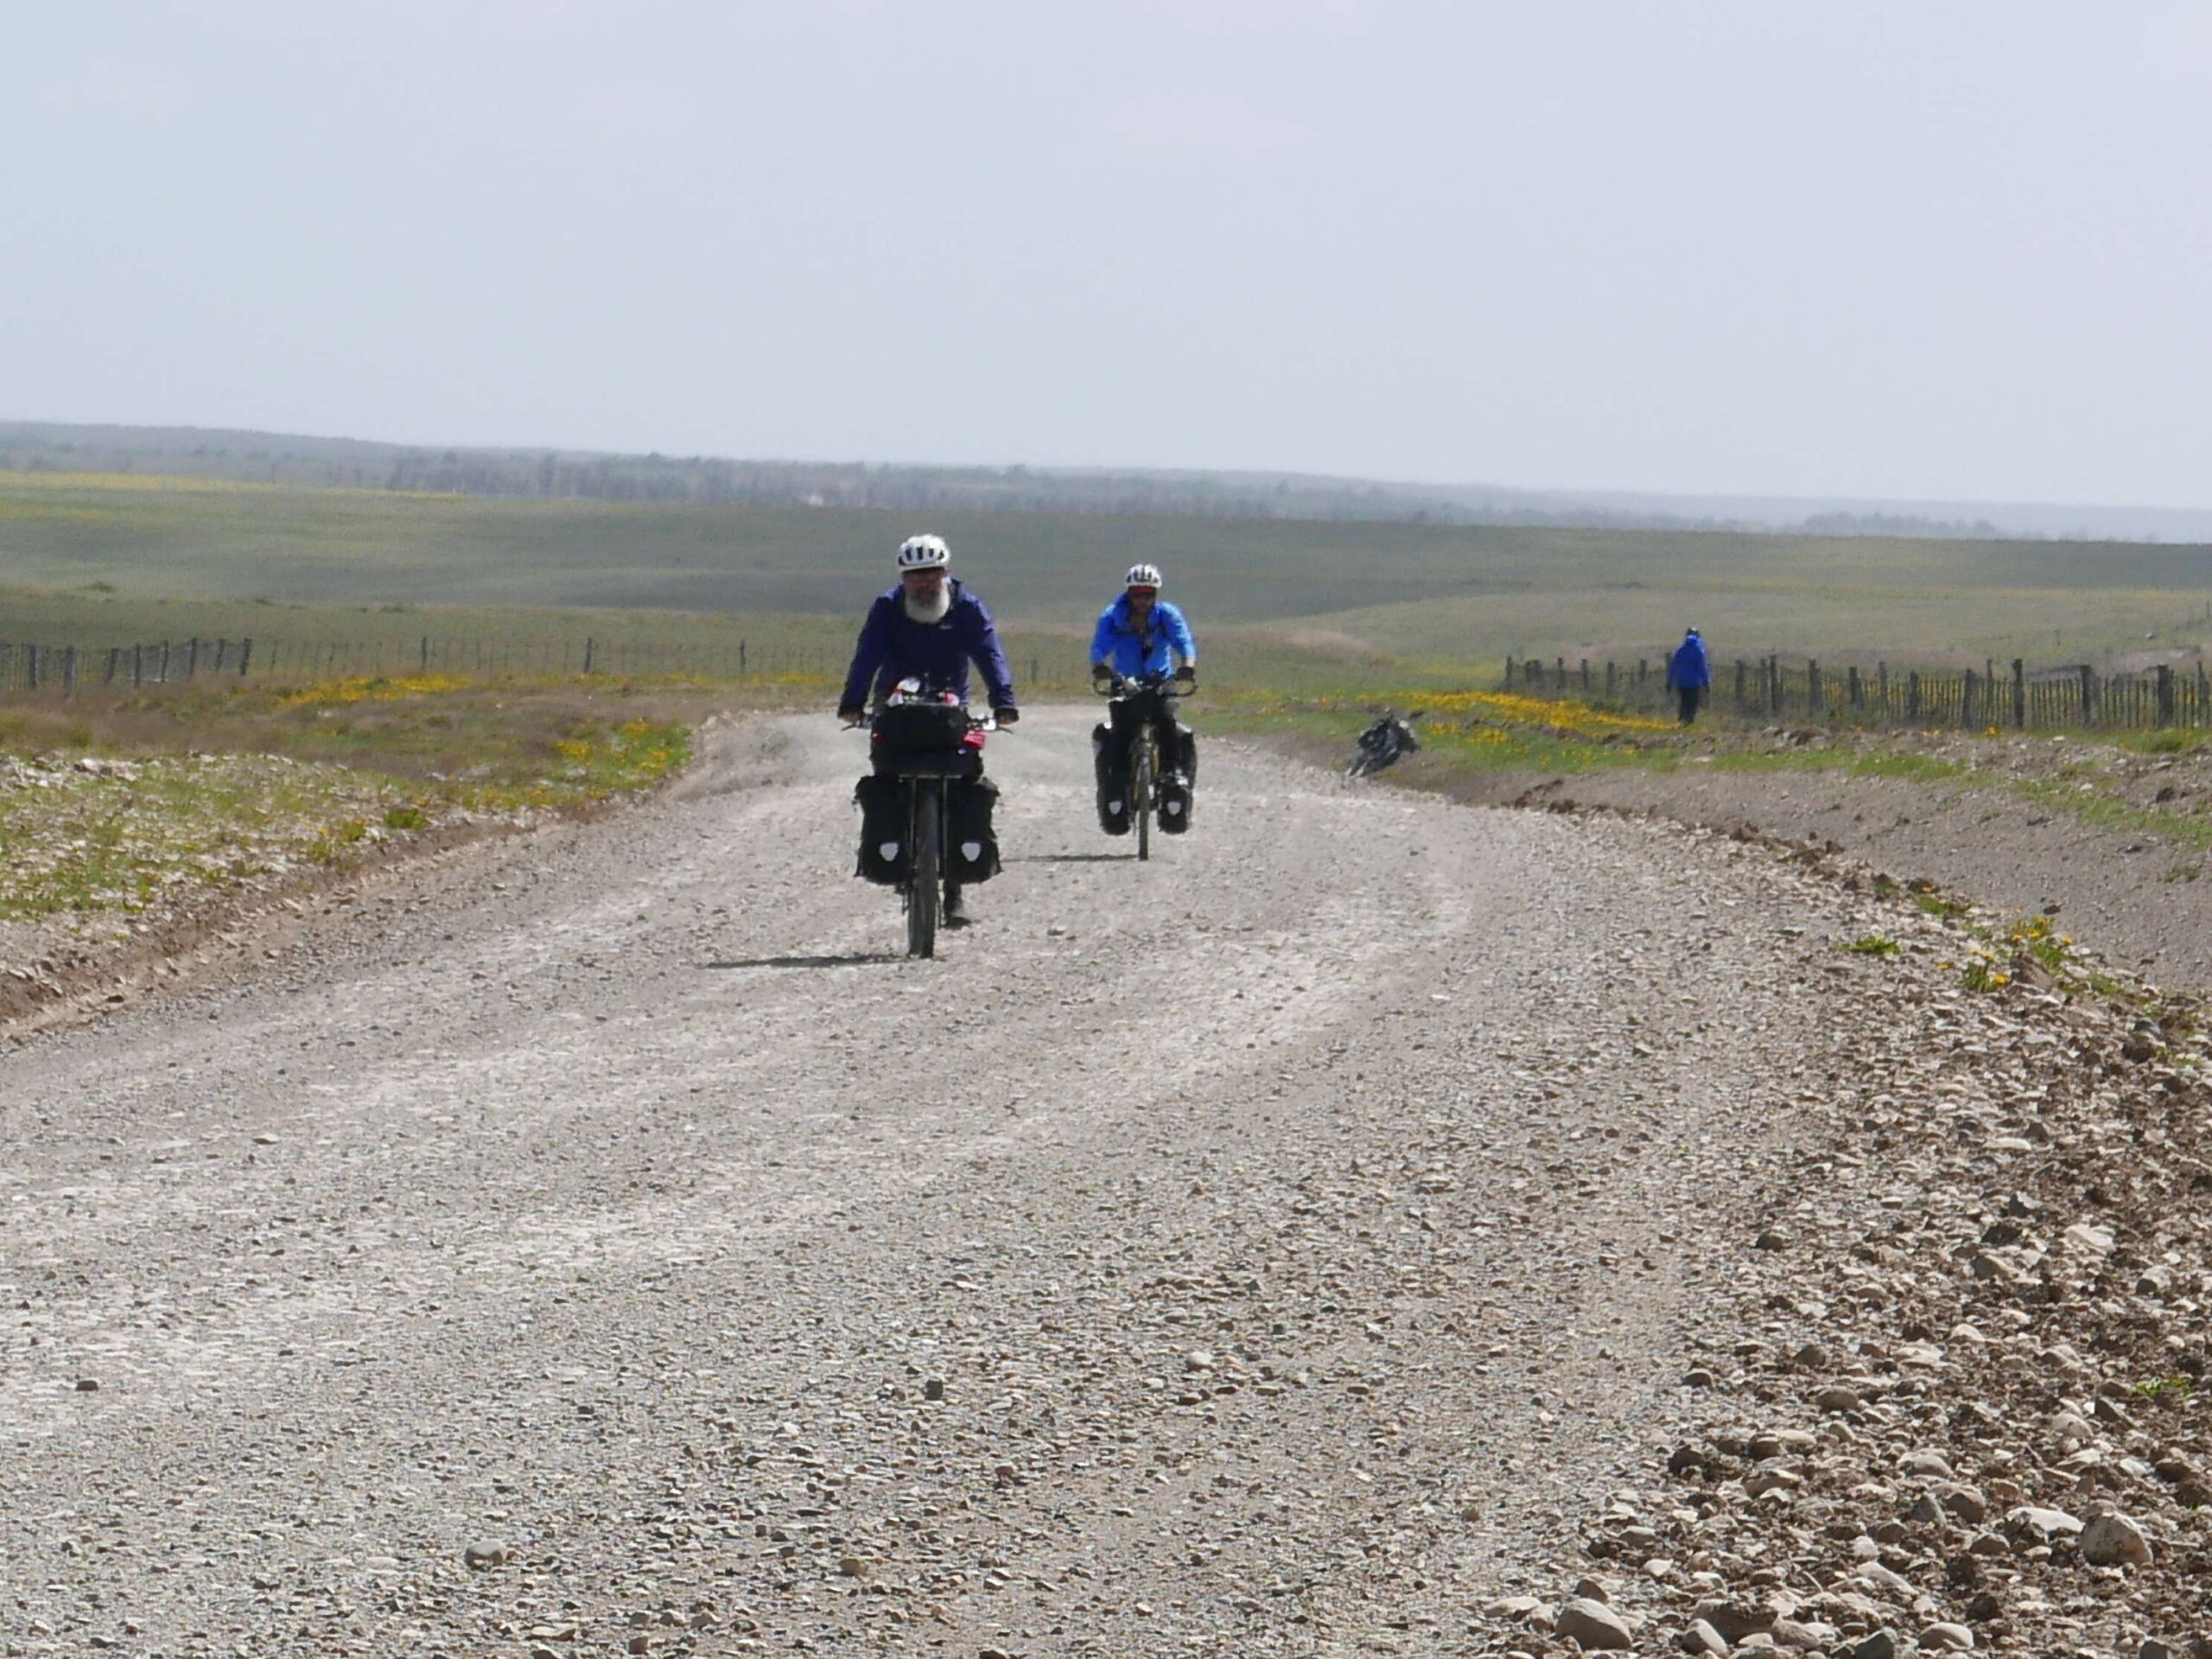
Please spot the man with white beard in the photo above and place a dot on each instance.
(929, 627)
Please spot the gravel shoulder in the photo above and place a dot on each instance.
(2133, 894)
(602, 1238)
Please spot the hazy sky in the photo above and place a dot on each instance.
(1942, 248)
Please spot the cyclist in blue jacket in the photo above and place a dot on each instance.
(1139, 634)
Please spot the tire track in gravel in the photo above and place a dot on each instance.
(1272, 1248)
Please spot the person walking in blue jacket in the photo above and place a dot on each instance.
(1141, 634)
(929, 627)
(1688, 674)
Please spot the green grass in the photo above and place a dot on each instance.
(121, 810)
(121, 841)
(2169, 741)
(1411, 593)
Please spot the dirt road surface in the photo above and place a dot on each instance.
(600, 1242)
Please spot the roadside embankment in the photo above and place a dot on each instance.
(1963, 1407)
(1953, 1396)
(2113, 837)
(141, 834)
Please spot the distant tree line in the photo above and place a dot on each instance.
(568, 475)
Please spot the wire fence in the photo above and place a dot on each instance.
(63, 669)
(2073, 697)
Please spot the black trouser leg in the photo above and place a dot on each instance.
(1689, 694)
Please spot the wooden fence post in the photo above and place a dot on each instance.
(1966, 702)
(1912, 696)
(591, 644)
(2019, 694)
(1586, 677)
(1854, 689)
(30, 660)
(114, 662)
(1813, 701)
(246, 656)
(1612, 679)
(2088, 693)
(1742, 677)
(2165, 694)
(68, 668)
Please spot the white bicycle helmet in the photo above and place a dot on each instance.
(923, 553)
(1142, 576)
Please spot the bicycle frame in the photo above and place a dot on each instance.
(922, 778)
(1151, 698)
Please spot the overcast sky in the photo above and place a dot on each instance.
(1890, 248)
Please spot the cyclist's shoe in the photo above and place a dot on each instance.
(955, 906)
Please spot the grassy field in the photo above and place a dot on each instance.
(1414, 593)
(478, 642)
(130, 801)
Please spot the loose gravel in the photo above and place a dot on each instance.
(1302, 1243)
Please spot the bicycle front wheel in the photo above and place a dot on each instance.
(924, 890)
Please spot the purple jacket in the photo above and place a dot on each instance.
(893, 646)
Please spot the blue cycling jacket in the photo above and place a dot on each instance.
(893, 646)
(1129, 652)
(1687, 668)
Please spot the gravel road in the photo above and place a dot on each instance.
(601, 1243)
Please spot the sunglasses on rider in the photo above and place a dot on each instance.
(1145, 593)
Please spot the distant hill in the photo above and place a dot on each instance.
(563, 474)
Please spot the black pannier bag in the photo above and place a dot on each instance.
(1174, 798)
(883, 824)
(969, 802)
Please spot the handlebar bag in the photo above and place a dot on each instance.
(920, 728)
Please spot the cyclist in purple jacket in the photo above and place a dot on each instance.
(929, 627)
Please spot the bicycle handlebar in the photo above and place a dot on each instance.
(1167, 685)
(975, 722)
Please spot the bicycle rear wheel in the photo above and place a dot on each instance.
(926, 887)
